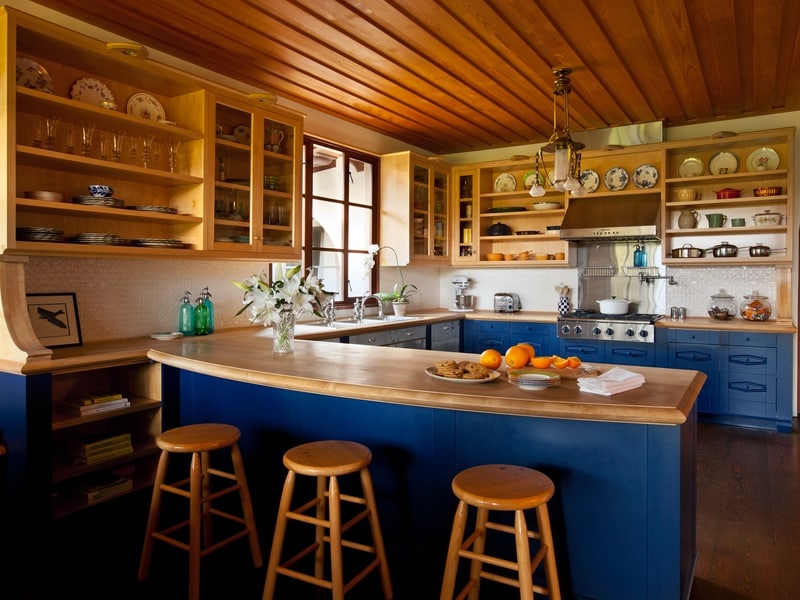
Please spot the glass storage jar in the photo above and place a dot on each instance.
(722, 306)
(756, 307)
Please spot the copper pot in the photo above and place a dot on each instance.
(728, 193)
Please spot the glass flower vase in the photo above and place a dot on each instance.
(283, 333)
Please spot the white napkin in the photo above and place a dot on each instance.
(613, 381)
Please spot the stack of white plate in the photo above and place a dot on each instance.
(40, 234)
(158, 243)
(97, 238)
(99, 201)
(533, 379)
(43, 195)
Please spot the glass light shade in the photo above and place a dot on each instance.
(572, 184)
(561, 165)
(581, 191)
(537, 190)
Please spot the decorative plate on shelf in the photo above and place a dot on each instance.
(431, 371)
(529, 179)
(645, 177)
(242, 134)
(616, 178)
(146, 106)
(590, 180)
(33, 76)
(763, 159)
(723, 163)
(91, 91)
(505, 182)
(691, 167)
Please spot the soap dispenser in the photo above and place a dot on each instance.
(186, 315)
(201, 316)
(207, 299)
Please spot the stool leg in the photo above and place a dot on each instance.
(546, 539)
(205, 507)
(278, 536)
(247, 505)
(195, 518)
(335, 512)
(319, 530)
(377, 535)
(152, 519)
(478, 546)
(523, 556)
(456, 539)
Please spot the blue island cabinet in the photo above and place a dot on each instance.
(623, 512)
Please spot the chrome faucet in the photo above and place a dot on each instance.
(329, 311)
(360, 303)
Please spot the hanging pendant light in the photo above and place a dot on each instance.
(566, 151)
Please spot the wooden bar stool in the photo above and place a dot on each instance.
(200, 440)
(327, 461)
(501, 488)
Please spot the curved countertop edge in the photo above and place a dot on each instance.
(356, 371)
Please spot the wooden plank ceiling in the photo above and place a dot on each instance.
(457, 75)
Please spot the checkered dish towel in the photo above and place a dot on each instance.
(613, 381)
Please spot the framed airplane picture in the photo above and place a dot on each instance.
(55, 319)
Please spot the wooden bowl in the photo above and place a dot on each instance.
(495, 256)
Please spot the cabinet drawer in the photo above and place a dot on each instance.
(749, 396)
(693, 336)
(742, 359)
(376, 338)
(741, 338)
(498, 327)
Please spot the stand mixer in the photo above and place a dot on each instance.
(462, 302)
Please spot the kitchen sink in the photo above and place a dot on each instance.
(389, 319)
(334, 324)
(348, 323)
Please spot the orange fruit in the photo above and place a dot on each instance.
(491, 358)
(560, 363)
(574, 362)
(542, 362)
(531, 350)
(517, 357)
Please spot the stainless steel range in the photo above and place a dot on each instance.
(593, 325)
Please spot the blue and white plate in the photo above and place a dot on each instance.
(616, 179)
(645, 177)
(590, 180)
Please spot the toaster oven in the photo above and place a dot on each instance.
(507, 302)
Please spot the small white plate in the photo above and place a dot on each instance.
(645, 177)
(616, 178)
(431, 371)
(146, 106)
(166, 335)
(723, 163)
(691, 167)
(505, 182)
(590, 180)
(546, 205)
(91, 91)
(763, 159)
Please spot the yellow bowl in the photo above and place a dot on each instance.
(495, 256)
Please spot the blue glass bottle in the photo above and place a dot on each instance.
(639, 257)
(186, 315)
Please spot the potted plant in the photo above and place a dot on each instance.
(402, 290)
(400, 297)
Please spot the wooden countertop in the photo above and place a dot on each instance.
(397, 375)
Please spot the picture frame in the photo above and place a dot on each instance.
(54, 317)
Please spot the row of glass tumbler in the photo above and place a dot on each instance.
(143, 149)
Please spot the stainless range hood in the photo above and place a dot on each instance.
(612, 218)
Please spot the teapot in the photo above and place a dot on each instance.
(499, 229)
(688, 218)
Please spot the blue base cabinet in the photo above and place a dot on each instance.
(617, 353)
(749, 375)
(480, 335)
(622, 514)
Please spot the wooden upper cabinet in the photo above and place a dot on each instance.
(415, 208)
(153, 140)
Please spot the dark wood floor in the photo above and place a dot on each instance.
(748, 537)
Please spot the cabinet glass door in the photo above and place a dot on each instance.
(233, 206)
(277, 167)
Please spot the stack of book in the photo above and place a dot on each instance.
(93, 403)
(103, 486)
(95, 449)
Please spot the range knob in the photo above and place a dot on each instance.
(609, 331)
(596, 330)
(643, 333)
(577, 329)
(630, 332)
(565, 329)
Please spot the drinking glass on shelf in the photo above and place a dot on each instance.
(50, 126)
(156, 154)
(147, 147)
(38, 133)
(133, 149)
(172, 153)
(87, 136)
(103, 140)
(117, 137)
(69, 139)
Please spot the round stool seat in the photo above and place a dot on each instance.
(327, 458)
(203, 437)
(503, 487)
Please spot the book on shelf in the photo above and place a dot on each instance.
(103, 454)
(92, 409)
(77, 449)
(103, 486)
(91, 398)
(99, 441)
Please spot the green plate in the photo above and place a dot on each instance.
(505, 209)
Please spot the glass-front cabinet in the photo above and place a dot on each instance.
(414, 208)
(256, 188)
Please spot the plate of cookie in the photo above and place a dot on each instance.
(465, 371)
